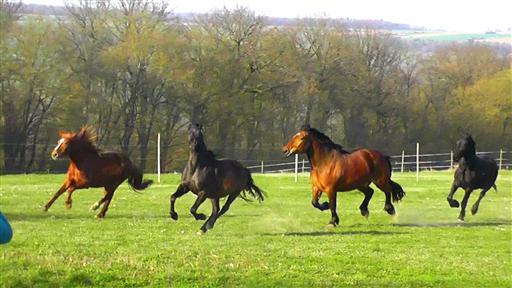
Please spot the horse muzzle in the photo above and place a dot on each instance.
(288, 152)
(55, 155)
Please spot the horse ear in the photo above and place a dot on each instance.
(82, 133)
(305, 127)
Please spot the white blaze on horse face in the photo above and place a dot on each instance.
(55, 150)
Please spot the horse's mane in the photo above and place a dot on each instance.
(325, 140)
(85, 139)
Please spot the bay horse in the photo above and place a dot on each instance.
(90, 167)
(210, 178)
(336, 170)
(474, 172)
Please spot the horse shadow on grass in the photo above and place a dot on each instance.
(340, 233)
(34, 217)
(456, 224)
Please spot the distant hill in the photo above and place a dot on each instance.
(48, 10)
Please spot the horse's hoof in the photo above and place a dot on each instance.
(200, 216)
(201, 232)
(453, 203)
(68, 206)
(365, 214)
(474, 210)
(94, 207)
(390, 210)
(330, 226)
(99, 216)
(324, 206)
(461, 220)
(174, 215)
(45, 209)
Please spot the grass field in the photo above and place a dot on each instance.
(282, 243)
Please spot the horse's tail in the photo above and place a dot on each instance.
(135, 179)
(397, 192)
(253, 190)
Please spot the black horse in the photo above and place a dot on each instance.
(210, 178)
(474, 172)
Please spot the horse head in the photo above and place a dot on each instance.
(299, 143)
(465, 147)
(70, 140)
(195, 135)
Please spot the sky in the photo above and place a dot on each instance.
(451, 15)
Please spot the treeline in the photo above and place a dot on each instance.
(123, 67)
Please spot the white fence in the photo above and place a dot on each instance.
(400, 163)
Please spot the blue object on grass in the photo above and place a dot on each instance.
(5, 230)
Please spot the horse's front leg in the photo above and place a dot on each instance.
(453, 203)
(201, 196)
(315, 196)
(182, 190)
(57, 194)
(464, 203)
(332, 205)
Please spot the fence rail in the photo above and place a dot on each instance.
(402, 163)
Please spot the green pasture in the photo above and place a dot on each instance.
(283, 242)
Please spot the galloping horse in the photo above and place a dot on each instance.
(89, 167)
(334, 169)
(210, 178)
(473, 173)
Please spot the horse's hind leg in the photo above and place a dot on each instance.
(474, 209)
(108, 199)
(464, 203)
(385, 186)
(201, 196)
(97, 205)
(68, 197)
(213, 217)
(368, 193)
(453, 203)
(182, 190)
(57, 194)
(226, 205)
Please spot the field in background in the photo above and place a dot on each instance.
(281, 243)
(446, 36)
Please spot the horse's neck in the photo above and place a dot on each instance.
(469, 160)
(196, 159)
(78, 158)
(316, 155)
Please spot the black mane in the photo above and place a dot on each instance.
(324, 140)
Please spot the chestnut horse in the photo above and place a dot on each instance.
(210, 178)
(336, 170)
(89, 167)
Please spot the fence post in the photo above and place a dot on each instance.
(303, 163)
(296, 167)
(262, 167)
(451, 159)
(501, 159)
(158, 157)
(417, 161)
(402, 165)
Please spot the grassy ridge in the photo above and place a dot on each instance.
(282, 242)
